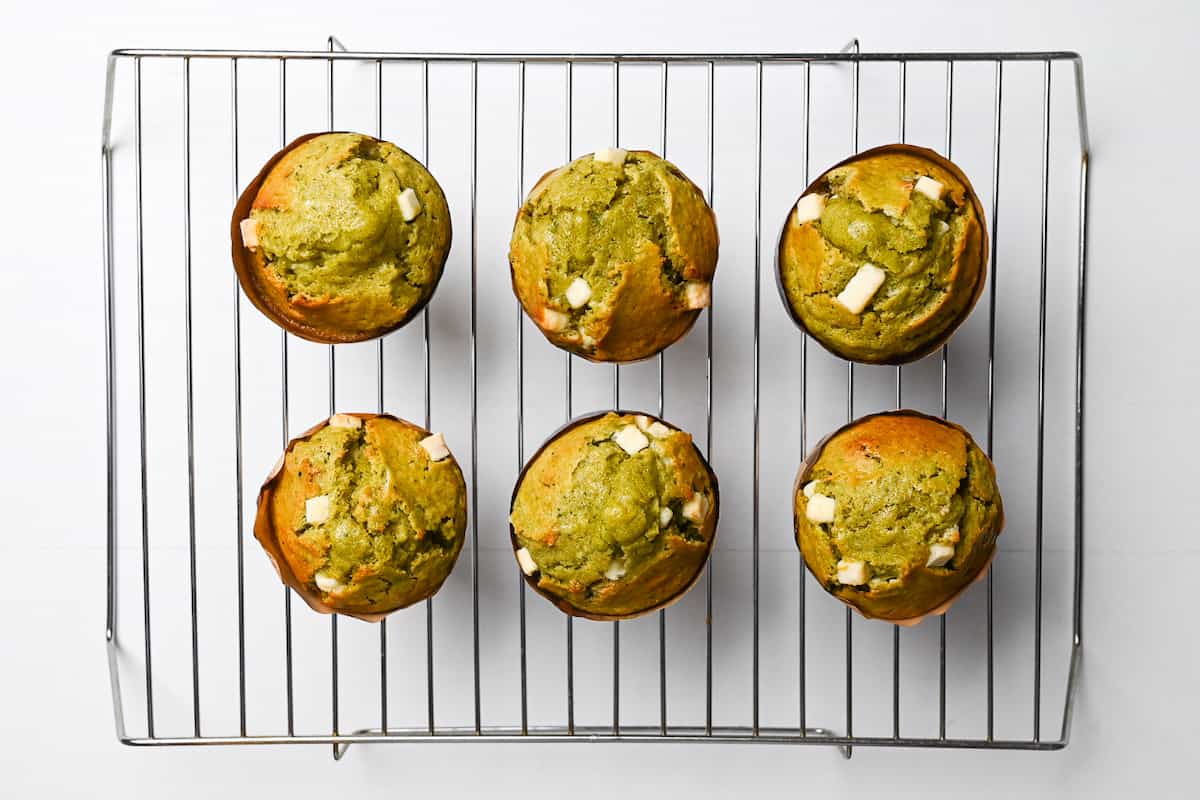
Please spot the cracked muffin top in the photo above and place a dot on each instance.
(613, 255)
(614, 516)
(897, 513)
(367, 514)
(342, 237)
(884, 255)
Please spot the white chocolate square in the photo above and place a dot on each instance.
(939, 554)
(249, 228)
(658, 430)
(345, 421)
(851, 572)
(697, 294)
(696, 508)
(528, 566)
(820, 508)
(664, 516)
(929, 187)
(861, 288)
(578, 293)
(410, 205)
(327, 584)
(809, 208)
(316, 509)
(810, 488)
(553, 320)
(615, 570)
(435, 446)
(611, 155)
(631, 440)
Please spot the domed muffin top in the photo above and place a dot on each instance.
(613, 254)
(614, 517)
(884, 255)
(369, 512)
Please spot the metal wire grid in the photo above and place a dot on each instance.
(803, 733)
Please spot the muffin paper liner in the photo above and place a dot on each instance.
(264, 531)
(537, 188)
(245, 262)
(565, 605)
(888, 149)
(802, 476)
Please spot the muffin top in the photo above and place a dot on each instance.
(884, 255)
(897, 513)
(615, 515)
(369, 513)
(613, 255)
(349, 235)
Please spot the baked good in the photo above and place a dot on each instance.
(364, 514)
(613, 255)
(884, 255)
(341, 237)
(614, 516)
(897, 513)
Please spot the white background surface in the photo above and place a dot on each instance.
(1135, 723)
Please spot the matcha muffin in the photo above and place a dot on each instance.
(614, 516)
(364, 514)
(897, 513)
(613, 255)
(884, 255)
(341, 237)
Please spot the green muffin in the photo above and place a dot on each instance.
(614, 517)
(341, 237)
(884, 255)
(613, 255)
(897, 513)
(365, 514)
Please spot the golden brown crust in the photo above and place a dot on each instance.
(857, 453)
(327, 319)
(657, 586)
(642, 317)
(805, 251)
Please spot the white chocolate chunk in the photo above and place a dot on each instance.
(587, 341)
(578, 293)
(611, 155)
(664, 516)
(658, 430)
(249, 228)
(820, 508)
(810, 488)
(327, 584)
(858, 229)
(435, 445)
(316, 509)
(951, 535)
(696, 508)
(851, 572)
(942, 226)
(929, 187)
(554, 320)
(697, 295)
(631, 440)
(615, 570)
(410, 206)
(345, 421)
(642, 421)
(528, 565)
(939, 554)
(809, 208)
(861, 288)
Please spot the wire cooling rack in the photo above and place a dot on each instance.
(200, 397)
